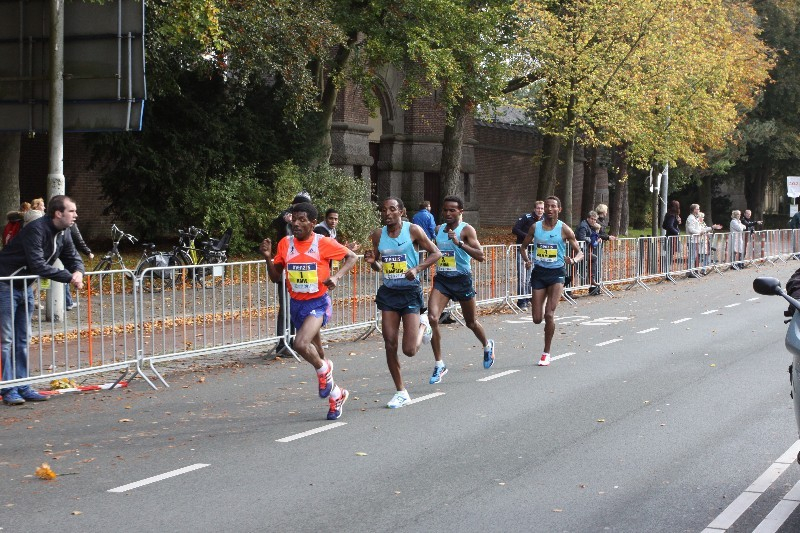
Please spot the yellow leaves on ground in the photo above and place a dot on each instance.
(45, 472)
(63, 383)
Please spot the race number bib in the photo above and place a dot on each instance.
(547, 253)
(394, 266)
(303, 277)
(447, 263)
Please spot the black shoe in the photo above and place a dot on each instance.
(694, 275)
(594, 291)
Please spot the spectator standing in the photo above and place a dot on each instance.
(425, 220)
(328, 226)
(550, 237)
(283, 227)
(82, 247)
(736, 238)
(305, 256)
(520, 230)
(33, 252)
(794, 222)
(589, 232)
(749, 223)
(395, 254)
(36, 211)
(14, 224)
(458, 242)
(670, 225)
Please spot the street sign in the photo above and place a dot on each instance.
(104, 82)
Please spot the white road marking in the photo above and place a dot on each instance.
(752, 299)
(647, 330)
(499, 375)
(681, 320)
(743, 502)
(573, 317)
(426, 397)
(775, 519)
(712, 311)
(605, 321)
(733, 305)
(612, 341)
(131, 486)
(528, 321)
(562, 356)
(310, 432)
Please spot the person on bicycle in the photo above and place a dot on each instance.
(306, 256)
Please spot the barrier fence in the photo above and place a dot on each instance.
(124, 322)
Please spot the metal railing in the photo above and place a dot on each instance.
(123, 322)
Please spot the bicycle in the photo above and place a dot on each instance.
(112, 260)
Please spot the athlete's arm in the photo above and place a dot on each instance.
(371, 256)
(523, 248)
(422, 241)
(273, 271)
(349, 262)
(470, 244)
(569, 236)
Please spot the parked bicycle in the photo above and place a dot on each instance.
(112, 260)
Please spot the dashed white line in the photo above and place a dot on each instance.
(752, 299)
(733, 305)
(647, 330)
(743, 502)
(562, 356)
(681, 320)
(498, 375)
(167, 475)
(612, 341)
(310, 432)
(710, 312)
(423, 398)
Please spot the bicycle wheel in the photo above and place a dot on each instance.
(213, 275)
(151, 280)
(97, 280)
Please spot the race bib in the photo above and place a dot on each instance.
(447, 263)
(547, 253)
(394, 266)
(303, 277)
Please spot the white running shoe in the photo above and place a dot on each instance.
(425, 323)
(399, 399)
(545, 360)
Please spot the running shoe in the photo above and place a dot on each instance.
(399, 399)
(326, 380)
(545, 360)
(336, 406)
(438, 374)
(426, 337)
(488, 354)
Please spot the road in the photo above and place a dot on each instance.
(660, 410)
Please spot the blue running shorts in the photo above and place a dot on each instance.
(299, 310)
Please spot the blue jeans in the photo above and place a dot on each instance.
(15, 321)
(67, 295)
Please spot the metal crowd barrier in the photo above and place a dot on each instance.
(124, 322)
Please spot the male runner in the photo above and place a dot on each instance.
(395, 253)
(549, 237)
(306, 257)
(458, 242)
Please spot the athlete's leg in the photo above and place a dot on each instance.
(537, 305)
(413, 331)
(390, 324)
(469, 309)
(553, 297)
(436, 302)
(304, 342)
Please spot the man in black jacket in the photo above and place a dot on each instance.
(32, 253)
(520, 230)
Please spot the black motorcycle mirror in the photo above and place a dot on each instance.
(768, 286)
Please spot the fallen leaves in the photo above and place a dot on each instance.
(45, 472)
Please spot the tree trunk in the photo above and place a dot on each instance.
(621, 194)
(624, 217)
(589, 180)
(755, 184)
(452, 147)
(569, 169)
(10, 144)
(330, 92)
(705, 199)
(551, 146)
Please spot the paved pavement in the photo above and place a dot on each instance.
(661, 408)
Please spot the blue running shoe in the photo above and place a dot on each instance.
(12, 397)
(488, 354)
(438, 373)
(326, 380)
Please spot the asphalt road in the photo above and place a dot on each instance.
(660, 412)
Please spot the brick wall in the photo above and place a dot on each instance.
(507, 172)
(82, 184)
